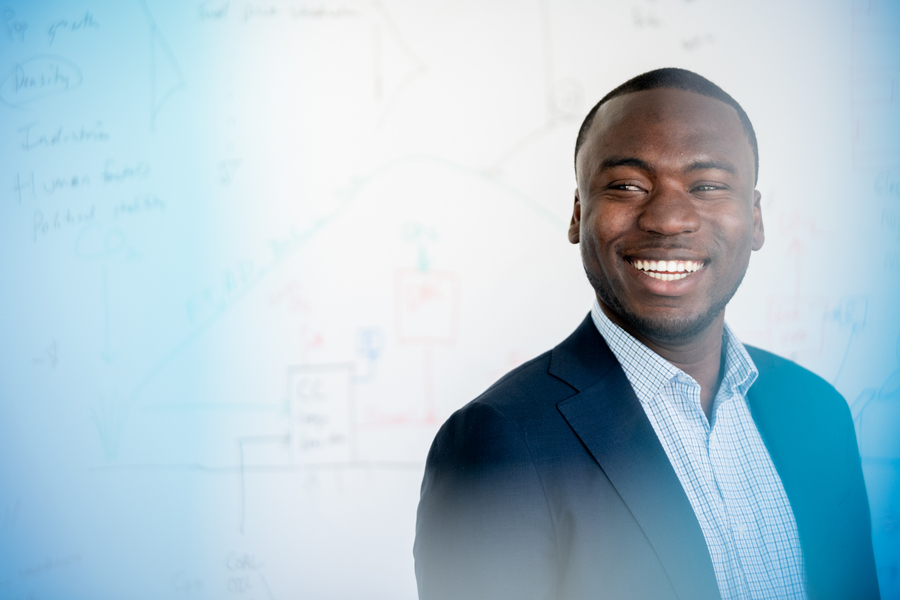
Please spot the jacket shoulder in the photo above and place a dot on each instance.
(795, 386)
(770, 364)
(527, 383)
(495, 425)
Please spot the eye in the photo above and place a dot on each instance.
(626, 187)
(708, 187)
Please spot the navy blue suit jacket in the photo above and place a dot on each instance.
(553, 484)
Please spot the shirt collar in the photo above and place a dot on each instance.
(648, 372)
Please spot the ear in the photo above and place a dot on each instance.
(575, 225)
(759, 232)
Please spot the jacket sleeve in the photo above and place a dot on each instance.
(857, 547)
(483, 528)
(809, 432)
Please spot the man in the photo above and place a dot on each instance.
(650, 454)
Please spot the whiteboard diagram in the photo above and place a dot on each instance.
(256, 252)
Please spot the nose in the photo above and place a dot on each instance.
(669, 210)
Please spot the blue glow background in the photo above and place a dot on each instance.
(253, 253)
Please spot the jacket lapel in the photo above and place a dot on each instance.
(608, 418)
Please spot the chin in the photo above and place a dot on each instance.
(661, 328)
(671, 329)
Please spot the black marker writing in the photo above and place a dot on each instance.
(59, 220)
(15, 30)
(85, 22)
(24, 184)
(32, 139)
(112, 174)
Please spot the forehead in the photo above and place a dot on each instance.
(668, 125)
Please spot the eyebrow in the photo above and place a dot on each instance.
(700, 165)
(703, 165)
(612, 163)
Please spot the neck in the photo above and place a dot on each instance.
(699, 355)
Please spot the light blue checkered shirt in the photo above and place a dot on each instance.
(724, 467)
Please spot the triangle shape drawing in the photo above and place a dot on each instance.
(165, 76)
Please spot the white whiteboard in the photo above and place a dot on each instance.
(253, 253)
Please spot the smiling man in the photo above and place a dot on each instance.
(651, 454)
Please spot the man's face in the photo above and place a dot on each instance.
(665, 211)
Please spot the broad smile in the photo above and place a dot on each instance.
(667, 270)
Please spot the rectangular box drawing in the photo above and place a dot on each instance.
(426, 306)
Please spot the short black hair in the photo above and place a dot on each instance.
(673, 78)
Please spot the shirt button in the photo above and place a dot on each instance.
(740, 529)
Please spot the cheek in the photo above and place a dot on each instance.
(589, 250)
(609, 222)
(598, 258)
(735, 246)
(734, 232)
(592, 256)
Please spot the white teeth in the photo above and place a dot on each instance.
(666, 276)
(668, 270)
